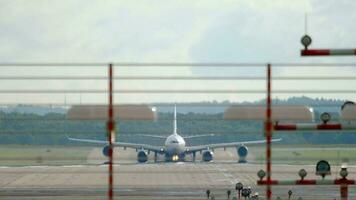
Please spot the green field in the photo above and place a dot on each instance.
(308, 154)
(18, 155)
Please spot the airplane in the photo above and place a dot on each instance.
(175, 149)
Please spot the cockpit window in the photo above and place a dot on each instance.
(174, 141)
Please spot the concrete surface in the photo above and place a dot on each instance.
(152, 180)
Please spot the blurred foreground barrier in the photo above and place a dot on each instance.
(122, 112)
(348, 111)
(280, 113)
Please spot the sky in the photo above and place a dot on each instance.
(254, 31)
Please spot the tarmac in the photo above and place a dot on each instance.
(182, 180)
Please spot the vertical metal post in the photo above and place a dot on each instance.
(344, 191)
(268, 133)
(111, 131)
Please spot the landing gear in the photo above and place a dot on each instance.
(155, 157)
(193, 156)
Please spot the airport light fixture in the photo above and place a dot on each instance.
(212, 197)
(323, 168)
(238, 187)
(344, 172)
(245, 192)
(302, 173)
(208, 194)
(249, 191)
(290, 194)
(325, 117)
(306, 41)
(228, 192)
(254, 197)
(261, 174)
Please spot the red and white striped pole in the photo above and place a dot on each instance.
(309, 127)
(328, 52)
(306, 42)
(111, 131)
(268, 133)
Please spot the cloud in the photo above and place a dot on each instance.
(174, 31)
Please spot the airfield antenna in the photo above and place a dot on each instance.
(306, 41)
(306, 23)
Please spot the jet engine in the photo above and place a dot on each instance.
(106, 151)
(207, 156)
(142, 156)
(242, 151)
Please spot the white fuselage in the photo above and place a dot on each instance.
(174, 145)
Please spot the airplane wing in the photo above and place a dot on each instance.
(197, 136)
(165, 137)
(225, 145)
(121, 144)
(152, 136)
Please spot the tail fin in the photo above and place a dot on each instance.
(175, 121)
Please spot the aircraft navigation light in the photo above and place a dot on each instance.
(175, 158)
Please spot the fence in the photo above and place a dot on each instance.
(237, 81)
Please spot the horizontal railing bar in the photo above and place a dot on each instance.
(59, 105)
(313, 64)
(53, 64)
(128, 91)
(136, 64)
(122, 133)
(172, 64)
(174, 78)
(74, 120)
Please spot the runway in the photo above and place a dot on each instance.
(152, 180)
